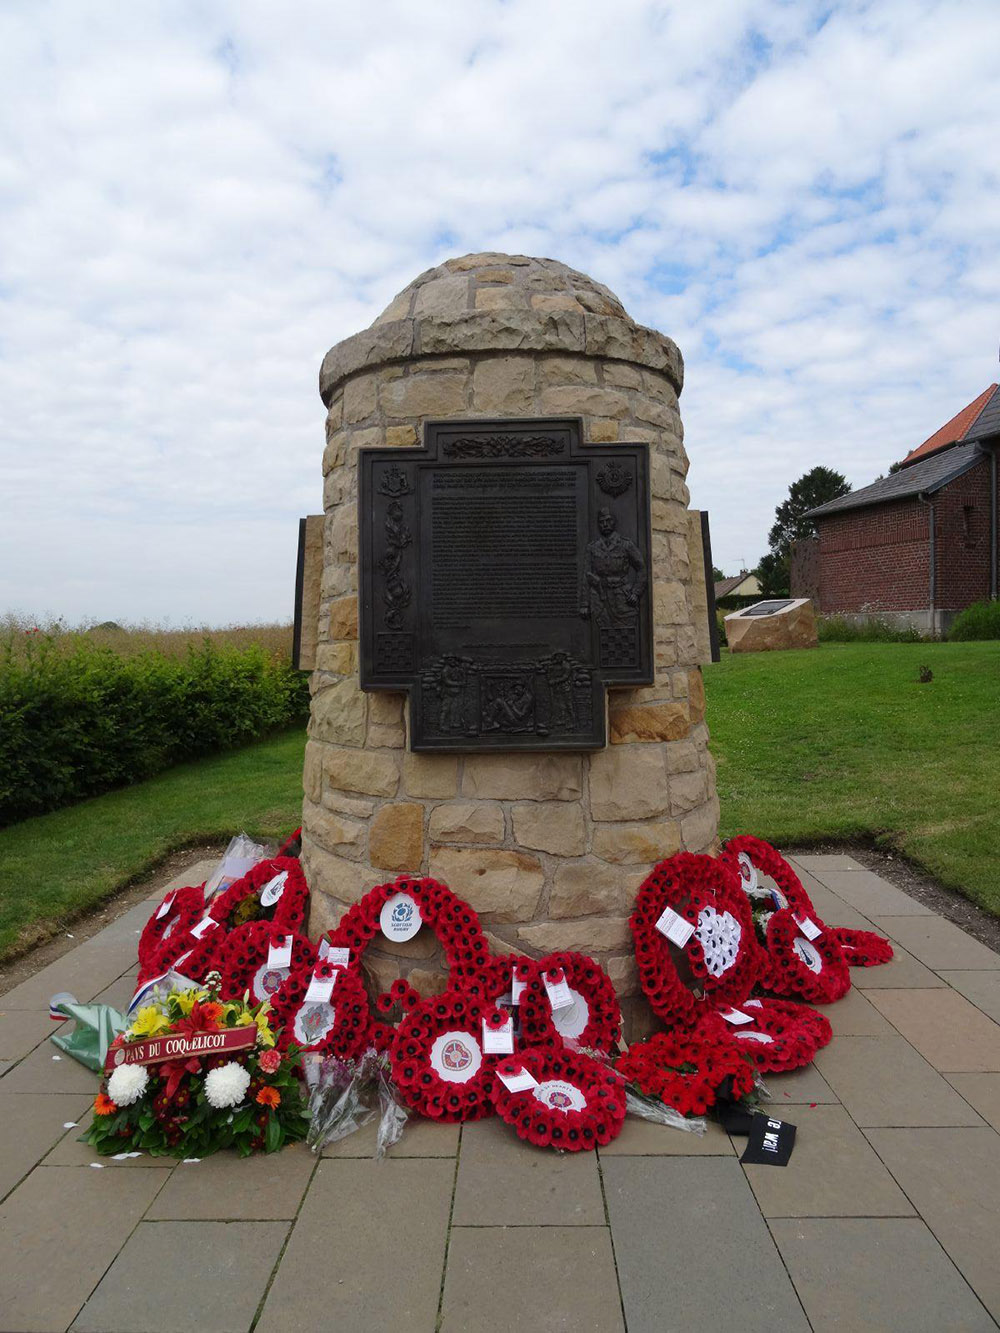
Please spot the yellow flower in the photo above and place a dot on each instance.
(265, 1037)
(185, 1000)
(149, 1022)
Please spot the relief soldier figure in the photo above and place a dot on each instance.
(616, 574)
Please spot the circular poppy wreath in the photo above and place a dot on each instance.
(782, 1035)
(292, 844)
(815, 970)
(340, 1027)
(577, 1104)
(762, 856)
(243, 961)
(186, 908)
(721, 958)
(438, 1062)
(191, 956)
(593, 1020)
(453, 922)
(862, 948)
(687, 1068)
(240, 903)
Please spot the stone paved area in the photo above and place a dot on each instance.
(886, 1217)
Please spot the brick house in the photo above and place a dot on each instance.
(920, 545)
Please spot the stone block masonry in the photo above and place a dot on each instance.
(548, 848)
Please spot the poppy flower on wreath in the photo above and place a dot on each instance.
(438, 1061)
(576, 1103)
(712, 955)
(339, 1026)
(453, 921)
(244, 961)
(593, 1018)
(862, 948)
(179, 911)
(688, 1068)
(292, 845)
(273, 890)
(781, 1034)
(812, 969)
(193, 951)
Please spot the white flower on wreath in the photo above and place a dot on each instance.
(226, 1086)
(127, 1084)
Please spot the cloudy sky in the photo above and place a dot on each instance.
(197, 198)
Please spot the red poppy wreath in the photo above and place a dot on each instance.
(592, 1018)
(688, 1069)
(781, 1035)
(694, 937)
(573, 1102)
(273, 890)
(750, 857)
(438, 1062)
(193, 951)
(813, 969)
(334, 1022)
(862, 948)
(247, 960)
(178, 912)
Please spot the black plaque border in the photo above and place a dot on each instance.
(376, 465)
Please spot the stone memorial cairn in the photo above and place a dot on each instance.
(549, 848)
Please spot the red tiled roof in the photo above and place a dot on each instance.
(954, 430)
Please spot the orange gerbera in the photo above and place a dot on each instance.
(104, 1105)
(211, 1011)
(269, 1097)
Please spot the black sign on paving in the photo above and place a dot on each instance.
(505, 581)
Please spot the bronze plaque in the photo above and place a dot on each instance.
(505, 581)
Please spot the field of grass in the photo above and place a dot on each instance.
(844, 742)
(60, 864)
(130, 640)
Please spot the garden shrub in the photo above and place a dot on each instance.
(838, 629)
(981, 620)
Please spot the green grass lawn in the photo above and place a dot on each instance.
(843, 742)
(60, 864)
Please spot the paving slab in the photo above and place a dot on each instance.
(833, 1172)
(937, 943)
(119, 993)
(508, 1280)
(901, 972)
(188, 1277)
(5, 1066)
(854, 1015)
(947, 1029)
(831, 909)
(227, 1187)
(83, 974)
(692, 1249)
(503, 1181)
(797, 1087)
(877, 1274)
(21, 1030)
(48, 1069)
(952, 1176)
(982, 988)
(644, 1138)
(872, 895)
(367, 1250)
(884, 1081)
(981, 1091)
(69, 1151)
(65, 1227)
(821, 863)
(421, 1138)
(30, 1124)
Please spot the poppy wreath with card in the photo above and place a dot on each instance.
(192, 955)
(721, 958)
(438, 1061)
(184, 909)
(862, 948)
(246, 899)
(340, 1026)
(780, 1036)
(687, 1069)
(593, 1020)
(243, 961)
(812, 969)
(747, 855)
(577, 1103)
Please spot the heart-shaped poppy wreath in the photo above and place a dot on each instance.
(815, 970)
(438, 1061)
(688, 1069)
(721, 959)
(340, 1026)
(243, 961)
(453, 922)
(781, 1035)
(862, 948)
(184, 909)
(577, 1103)
(593, 1020)
(241, 902)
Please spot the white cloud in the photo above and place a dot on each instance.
(197, 201)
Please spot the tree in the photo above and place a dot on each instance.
(717, 574)
(790, 525)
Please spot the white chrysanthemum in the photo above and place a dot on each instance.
(127, 1084)
(226, 1086)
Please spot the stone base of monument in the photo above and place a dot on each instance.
(770, 626)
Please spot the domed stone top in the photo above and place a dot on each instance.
(501, 303)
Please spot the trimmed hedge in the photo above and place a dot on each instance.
(79, 721)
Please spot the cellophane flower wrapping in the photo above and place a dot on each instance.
(348, 1094)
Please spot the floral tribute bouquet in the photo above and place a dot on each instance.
(193, 1074)
(559, 1098)
(689, 1070)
